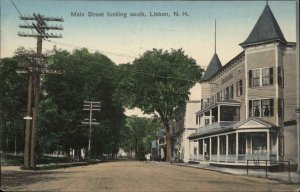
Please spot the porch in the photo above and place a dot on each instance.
(236, 146)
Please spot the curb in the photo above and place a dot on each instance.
(257, 176)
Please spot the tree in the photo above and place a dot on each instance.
(137, 135)
(13, 95)
(86, 76)
(159, 82)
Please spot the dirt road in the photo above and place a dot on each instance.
(133, 176)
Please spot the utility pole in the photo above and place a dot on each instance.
(298, 84)
(90, 106)
(35, 67)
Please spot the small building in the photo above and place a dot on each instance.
(248, 105)
(183, 126)
(161, 144)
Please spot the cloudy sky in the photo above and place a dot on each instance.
(124, 38)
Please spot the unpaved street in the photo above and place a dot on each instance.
(133, 176)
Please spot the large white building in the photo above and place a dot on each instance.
(247, 108)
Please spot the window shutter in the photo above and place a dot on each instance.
(280, 108)
(237, 88)
(279, 78)
(271, 76)
(250, 78)
(250, 108)
(282, 76)
(196, 119)
(271, 107)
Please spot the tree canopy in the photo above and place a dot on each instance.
(159, 82)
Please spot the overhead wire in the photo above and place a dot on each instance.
(123, 55)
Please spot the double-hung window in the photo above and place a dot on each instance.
(239, 88)
(267, 76)
(261, 108)
(261, 77)
(267, 107)
(256, 108)
(255, 78)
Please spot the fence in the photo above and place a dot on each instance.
(265, 164)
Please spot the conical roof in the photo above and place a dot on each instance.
(265, 29)
(213, 68)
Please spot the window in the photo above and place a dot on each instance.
(280, 77)
(261, 108)
(227, 93)
(260, 77)
(255, 78)
(206, 121)
(231, 92)
(237, 114)
(267, 76)
(267, 107)
(219, 96)
(280, 108)
(239, 88)
(256, 108)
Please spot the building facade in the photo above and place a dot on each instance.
(248, 105)
(183, 126)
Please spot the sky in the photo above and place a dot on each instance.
(123, 39)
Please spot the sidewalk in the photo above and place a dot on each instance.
(279, 176)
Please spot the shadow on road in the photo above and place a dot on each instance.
(19, 179)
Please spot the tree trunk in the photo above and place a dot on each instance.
(136, 149)
(168, 144)
(165, 121)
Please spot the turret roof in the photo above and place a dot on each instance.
(266, 29)
(213, 68)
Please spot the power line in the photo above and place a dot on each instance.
(21, 15)
(16, 7)
(122, 55)
(96, 50)
(133, 71)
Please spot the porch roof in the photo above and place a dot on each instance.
(222, 128)
(224, 103)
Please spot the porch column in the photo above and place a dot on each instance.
(210, 117)
(210, 149)
(268, 144)
(203, 152)
(197, 149)
(246, 136)
(218, 149)
(237, 147)
(227, 145)
(219, 113)
(277, 146)
(190, 150)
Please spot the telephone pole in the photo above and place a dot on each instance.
(35, 67)
(90, 106)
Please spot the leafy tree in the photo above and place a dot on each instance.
(86, 76)
(137, 135)
(13, 98)
(159, 82)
